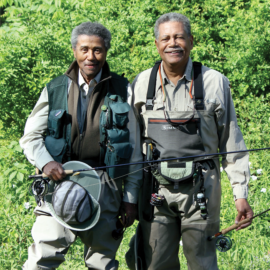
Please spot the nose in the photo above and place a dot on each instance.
(173, 42)
(91, 55)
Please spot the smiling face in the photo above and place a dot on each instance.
(174, 45)
(90, 53)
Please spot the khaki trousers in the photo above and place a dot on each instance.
(180, 218)
(52, 240)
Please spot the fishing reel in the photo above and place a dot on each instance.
(39, 188)
(223, 243)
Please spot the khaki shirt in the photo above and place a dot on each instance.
(217, 98)
(34, 148)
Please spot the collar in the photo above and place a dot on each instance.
(93, 82)
(73, 72)
(186, 75)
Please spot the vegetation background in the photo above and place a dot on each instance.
(231, 36)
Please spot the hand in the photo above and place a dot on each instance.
(244, 211)
(54, 171)
(128, 213)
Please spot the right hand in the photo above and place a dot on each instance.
(54, 171)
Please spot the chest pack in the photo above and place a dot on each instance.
(174, 134)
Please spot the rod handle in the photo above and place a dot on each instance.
(66, 171)
(235, 226)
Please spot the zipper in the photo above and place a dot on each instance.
(79, 145)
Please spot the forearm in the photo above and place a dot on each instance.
(231, 139)
(32, 141)
(133, 181)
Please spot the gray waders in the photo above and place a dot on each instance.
(185, 200)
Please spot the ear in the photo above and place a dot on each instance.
(74, 53)
(156, 42)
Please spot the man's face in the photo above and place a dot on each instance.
(90, 54)
(173, 44)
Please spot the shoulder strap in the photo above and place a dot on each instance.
(198, 86)
(152, 86)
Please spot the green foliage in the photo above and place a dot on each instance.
(230, 36)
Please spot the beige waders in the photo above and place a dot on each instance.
(178, 134)
(179, 219)
(52, 240)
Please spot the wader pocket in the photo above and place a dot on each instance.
(56, 147)
(118, 153)
(55, 123)
(174, 171)
(120, 113)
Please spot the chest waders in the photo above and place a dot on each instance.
(173, 134)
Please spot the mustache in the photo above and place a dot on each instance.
(177, 49)
(91, 63)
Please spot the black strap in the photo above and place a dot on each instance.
(152, 86)
(198, 86)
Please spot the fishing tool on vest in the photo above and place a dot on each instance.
(224, 243)
(157, 199)
(201, 200)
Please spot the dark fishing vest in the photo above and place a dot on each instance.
(114, 134)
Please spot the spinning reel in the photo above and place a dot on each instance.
(223, 243)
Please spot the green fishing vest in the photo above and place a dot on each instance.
(115, 147)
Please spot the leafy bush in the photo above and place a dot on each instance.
(230, 36)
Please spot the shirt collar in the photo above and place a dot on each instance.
(186, 75)
(94, 81)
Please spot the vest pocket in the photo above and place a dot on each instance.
(56, 147)
(120, 113)
(118, 153)
(118, 135)
(55, 123)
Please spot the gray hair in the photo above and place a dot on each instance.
(172, 17)
(91, 29)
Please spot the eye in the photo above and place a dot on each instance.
(84, 49)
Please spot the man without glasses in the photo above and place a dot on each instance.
(186, 109)
(83, 115)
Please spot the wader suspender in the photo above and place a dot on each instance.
(198, 87)
(149, 181)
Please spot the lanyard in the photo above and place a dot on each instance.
(162, 86)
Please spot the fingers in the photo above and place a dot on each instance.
(54, 171)
(244, 211)
(128, 213)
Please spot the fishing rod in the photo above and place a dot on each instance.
(76, 172)
(224, 243)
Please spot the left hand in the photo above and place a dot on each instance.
(128, 213)
(244, 211)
